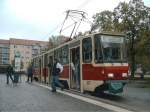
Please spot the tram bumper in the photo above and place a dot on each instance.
(116, 86)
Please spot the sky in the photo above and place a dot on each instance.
(39, 19)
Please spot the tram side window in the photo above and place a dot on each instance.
(34, 63)
(65, 55)
(40, 62)
(37, 62)
(41, 59)
(98, 50)
(45, 60)
(87, 50)
(58, 55)
(55, 54)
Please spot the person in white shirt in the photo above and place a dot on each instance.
(56, 70)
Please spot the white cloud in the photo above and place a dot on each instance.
(45, 15)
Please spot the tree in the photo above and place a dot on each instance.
(103, 21)
(143, 49)
(54, 41)
(132, 18)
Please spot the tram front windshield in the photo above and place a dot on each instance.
(109, 48)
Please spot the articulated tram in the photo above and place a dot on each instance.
(99, 60)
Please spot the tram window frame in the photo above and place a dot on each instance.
(65, 53)
(98, 46)
(87, 50)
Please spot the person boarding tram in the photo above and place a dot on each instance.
(56, 70)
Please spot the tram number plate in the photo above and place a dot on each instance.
(116, 85)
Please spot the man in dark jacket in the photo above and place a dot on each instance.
(56, 70)
(9, 73)
(30, 73)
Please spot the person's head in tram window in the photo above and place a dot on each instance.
(76, 60)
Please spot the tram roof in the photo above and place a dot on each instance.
(81, 37)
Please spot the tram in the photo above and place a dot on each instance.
(94, 62)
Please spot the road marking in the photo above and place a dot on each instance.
(98, 103)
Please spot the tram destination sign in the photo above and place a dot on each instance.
(111, 39)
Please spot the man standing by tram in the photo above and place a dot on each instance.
(10, 72)
(56, 70)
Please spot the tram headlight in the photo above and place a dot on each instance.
(110, 75)
(124, 75)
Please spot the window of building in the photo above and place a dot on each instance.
(5, 61)
(5, 55)
(87, 50)
(5, 50)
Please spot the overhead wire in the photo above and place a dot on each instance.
(53, 30)
(83, 4)
(68, 26)
(79, 7)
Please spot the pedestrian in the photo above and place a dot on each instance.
(9, 74)
(77, 73)
(73, 74)
(30, 73)
(56, 70)
(139, 71)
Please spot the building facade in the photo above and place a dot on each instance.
(26, 49)
(4, 54)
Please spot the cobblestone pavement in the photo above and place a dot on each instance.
(28, 97)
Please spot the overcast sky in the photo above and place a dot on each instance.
(39, 19)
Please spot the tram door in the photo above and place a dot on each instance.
(45, 67)
(50, 65)
(75, 68)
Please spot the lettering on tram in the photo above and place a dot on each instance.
(95, 62)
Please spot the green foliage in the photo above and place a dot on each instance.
(53, 41)
(103, 21)
(132, 18)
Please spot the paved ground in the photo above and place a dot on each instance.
(28, 97)
(136, 96)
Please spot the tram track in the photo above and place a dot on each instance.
(106, 100)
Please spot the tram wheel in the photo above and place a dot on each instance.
(100, 90)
